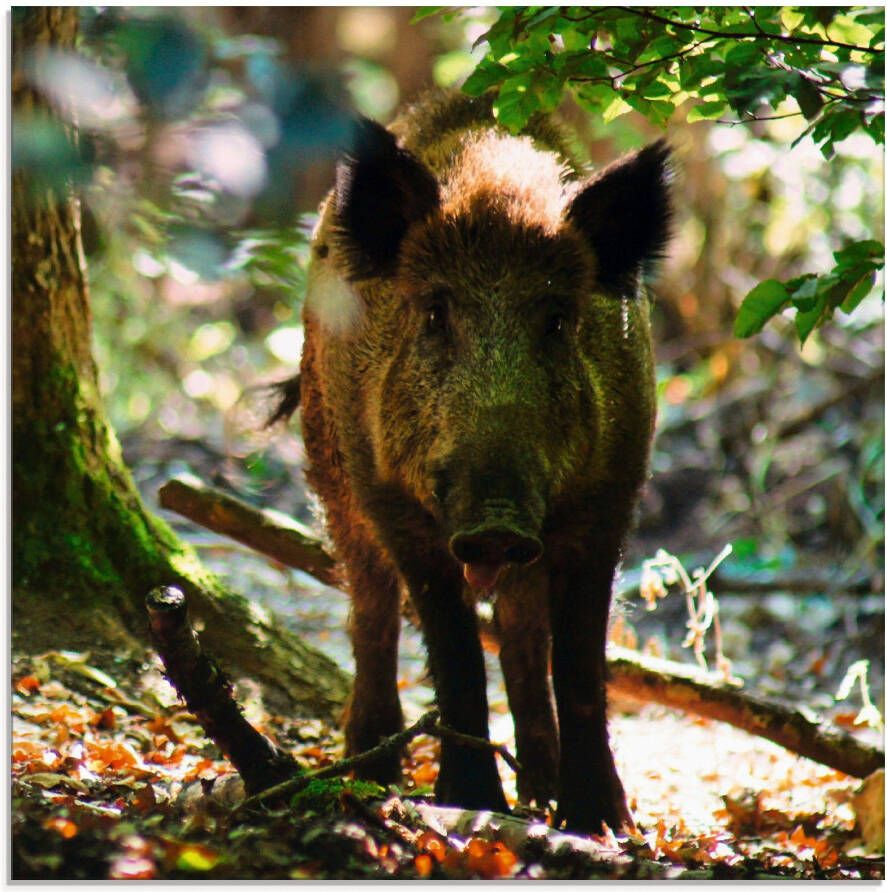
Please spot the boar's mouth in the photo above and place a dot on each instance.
(485, 551)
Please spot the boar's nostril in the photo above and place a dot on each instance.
(495, 546)
(523, 552)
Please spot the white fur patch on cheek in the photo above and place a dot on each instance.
(331, 300)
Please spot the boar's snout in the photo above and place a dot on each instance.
(495, 546)
(484, 553)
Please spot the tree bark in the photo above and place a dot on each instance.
(85, 550)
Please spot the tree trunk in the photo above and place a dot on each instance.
(85, 550)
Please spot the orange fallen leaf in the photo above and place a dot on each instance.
(424, 865)
(65, 828)
(431, 843)
(118, 754)
(105, 720)
(426, 773)
(39, 756)
(28, 684)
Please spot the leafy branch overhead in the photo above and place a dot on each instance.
(734, 65)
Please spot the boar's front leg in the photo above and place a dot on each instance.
(521, 617)
(373, 710)
(589, 791)
(468, 775)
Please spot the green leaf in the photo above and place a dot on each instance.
(803, 291)
(656, 90)
(425, 12)
(807, 320)
(617, 107)
(486, 75)
(791, 18)
(705, 111)
(835, 126)
(515, 103)
(808, 98)
(196, 858)
(666, 45)
(695, 69)
(761, 304)
(743, 54)
(574, 40)
(859, 291)
(868, 249)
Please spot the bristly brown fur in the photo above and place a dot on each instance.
(478, 399)
(285, 397)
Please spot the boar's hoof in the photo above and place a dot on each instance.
(471, 781)
(590, 815)
(537, 779)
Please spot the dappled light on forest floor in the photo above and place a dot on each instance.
(113, 779)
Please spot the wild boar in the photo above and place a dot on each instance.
(477, 397)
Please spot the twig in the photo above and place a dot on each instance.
(734, 35)
(478, 743)
(394, 743)
(207, 692)
(429, 723)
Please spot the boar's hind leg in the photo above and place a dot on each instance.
(521, 615)
(373, 711)
(589, 789)
(468, 775)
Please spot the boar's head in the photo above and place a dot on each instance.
(503, 291)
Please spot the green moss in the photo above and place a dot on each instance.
(324, 795)
(80, 524)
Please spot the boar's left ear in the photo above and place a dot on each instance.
(380, 190)
(625, 211)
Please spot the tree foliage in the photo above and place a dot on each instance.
(734, 65)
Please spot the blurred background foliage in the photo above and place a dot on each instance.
(206, 138)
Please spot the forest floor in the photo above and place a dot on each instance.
(112, 778)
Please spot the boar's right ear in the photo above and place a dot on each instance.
(625, 212)
(380, 190)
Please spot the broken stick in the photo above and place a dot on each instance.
(207, 692)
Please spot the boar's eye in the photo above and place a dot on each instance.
(436, 318)
(557, 323)
(436, 315)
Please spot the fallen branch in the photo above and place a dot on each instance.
(269, 532)
(692, 690)
(207, 692)
(644, 678)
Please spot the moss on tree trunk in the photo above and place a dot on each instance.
(85, 550)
